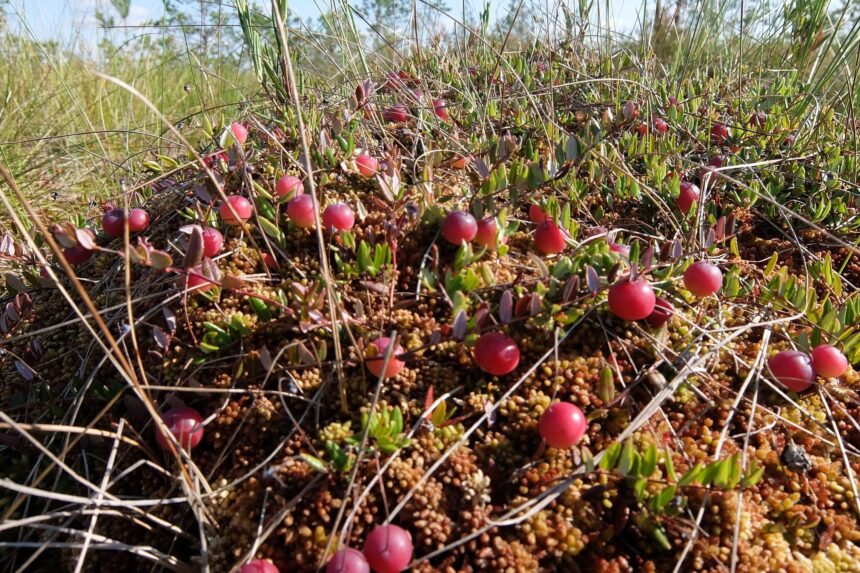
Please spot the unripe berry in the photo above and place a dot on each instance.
(562, 425)
(792, 369)
(497, 354)
(374, 358)
(703, 279)
(632, 300)
(719, 133)
(440, 108)
(367, 165)
(549, 238)
(459, 226)
(339, 216)
(388, 549)
(241, 206)
(240, 132)
(758, 119)
(186, 425)
(660, 125)
(828, 361)
(536, 214)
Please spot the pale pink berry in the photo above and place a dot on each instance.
(300, 210)
(288, 187)
(213, 241)
(240, 205)
(562, 425)
(367, 165)
(440, 108)
(339, 216)
(259, 566)
(488, 232)
(240, 132)
(536, 214)
(348, 560)
(374, 358)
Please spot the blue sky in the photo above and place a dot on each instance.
(72, 22)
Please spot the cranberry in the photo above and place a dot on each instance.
(641, 129)
(388, 549)
(792, 369)
(549, 238)
(562, 425)
(367, 165)
(671, 101)
(663, 311)
(288, 187)
(719, 133)
(660, 125)
(717, 161)
(459, 226)
(339, 216)
(269, 261)
(487, 233)
(619, 249)
(703, 278)
(114, 220)
(240, 132)
(77, 255)
(440, 108)
(375, 358)
(396, 113)
(186, 425)
(497, 354)
(195, 281)
(828, 361)
(213, 241)
(536, 214)
(241, 206)
(259, 566)
(348, 560)
(632, 300)
(689, 195)
(300, 210)
(460, 162)
(758, 119)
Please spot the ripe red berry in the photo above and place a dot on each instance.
(703, 278)
(562, 425)
(487, 234)
(549, 238)
(348, 560)
(689, 195)
(114, 220)
(717, 161)
(719, 133)
(213, 241)
(641, 129)
(241, 206)
(460, 162)
(288, 187)
(440, 108)
(374, 358)
(388, 549)
(195, 281)
(300, 210)
(259, 566)
(339, 216)
(396, 113)
(792, 369)
(77, 255)
(367, 165)
(663, 311)
(660, 125)
(828, 361)
(671, 101)
(632, 300)
(758, 119)
(459, 226)
(269, 261)
(186, 425)
(536, 214)
(240, 132)
(497, 354)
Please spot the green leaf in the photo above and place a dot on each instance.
(260, 308)
(628, 459)
(272, 231)
(610, 457)
(691, 475)
(754, 474)
(649, 462)
(664, 497)
(396, 421)
(660, 536)
(315, 463)
(670, 466)
(771, 264)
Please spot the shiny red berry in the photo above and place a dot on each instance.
(536, 214)
(689, 195)
(300, 210)
(114, 220)
(348, 560)
(374, 358)
(288, 187)
(459, 226)
(549, 238)
(367, 165)
(660, 125)
(487, 234)
(213, 241)
(339, 216)
(241, 206)
(197, 282)
(562, 425)
(186, 425)
(77, 255)
(719, 133)
(388, 549)
(632, 300)
(440, 108)
(792, 369)
(828, 361)
(396, 113)
(663, 311)
(497, 354)
(703, 278)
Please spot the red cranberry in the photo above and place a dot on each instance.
(459, 226)
(792, 369)
(339, 216)
(536, 214)
(689, 195)
(549, 238)
(240, 132)
(367, 165)
(241, 206)
(497, 354)
(77, 255)
(719, 133)
(828, 361)
(632, 300)
(396, 113)
(641, 129)
(440, 108)
(195, 281)
(758, 119)
(288, 187)
(717, 161)
(663, 311)
(487, 233)
(703, 278)
(186, 425)
(269, 261)
(375, 358)
(213, 241)
(300, 210)
(388, 549)
(114, 220)
(671, 101)
(562, 425)
(259, 566)
(460, 162)
(348, 560)
(660, 125)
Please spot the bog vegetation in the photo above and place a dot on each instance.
(408, 288)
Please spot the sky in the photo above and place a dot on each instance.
(73, 22)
